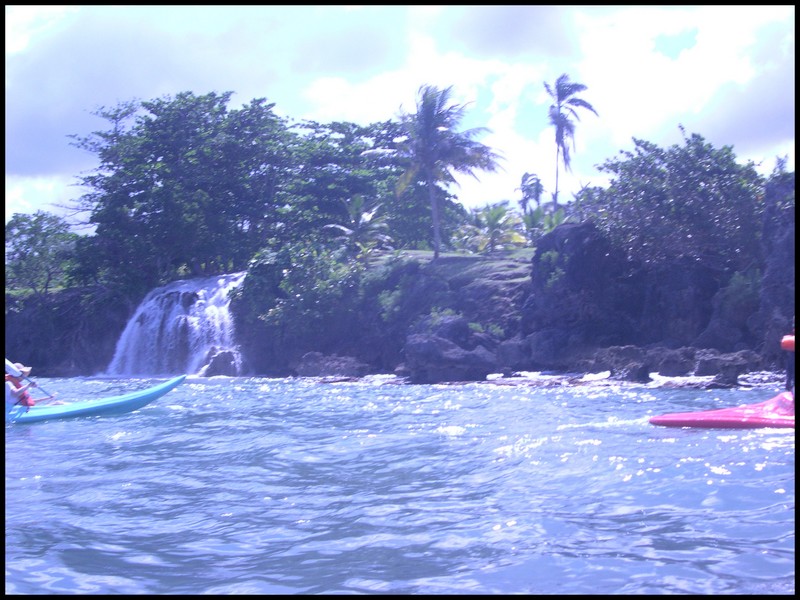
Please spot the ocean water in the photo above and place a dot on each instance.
(303, 486)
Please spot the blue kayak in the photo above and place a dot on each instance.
(87, 408)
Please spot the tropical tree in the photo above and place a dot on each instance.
(500, 227)
(532, 189)
(561, 113)
(255, 158)
(690, 200)
(493, 227)
(434, 148)
(366, 227)
(331, 169)
(183, 186)
(39, 252)
(541, 220)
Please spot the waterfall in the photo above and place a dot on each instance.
(178, 328)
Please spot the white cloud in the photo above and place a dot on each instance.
(647, 68)
(25, 23)
(49, 194)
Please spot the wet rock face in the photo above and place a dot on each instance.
(445, 348)
(316, 364)
(580, 297)
(577, 304)
(587, 295)
(223, 362)
(432, 359)
(587, 308)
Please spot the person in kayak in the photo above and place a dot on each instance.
(17, 391)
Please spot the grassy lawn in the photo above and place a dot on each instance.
(506, 265)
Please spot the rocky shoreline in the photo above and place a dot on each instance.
(712, 371)
(537, 380)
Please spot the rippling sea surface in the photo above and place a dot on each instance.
(296, 486)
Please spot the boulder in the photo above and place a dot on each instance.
(316, 364)
(676, 363)
(636, 371)
(728, 376)
(220, 362)
(711, 362)
(513, 355)
(434, 359)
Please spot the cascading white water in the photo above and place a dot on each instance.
(177, 328)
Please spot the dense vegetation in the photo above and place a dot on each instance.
(187, 186)
(39, 253)
(692, 200)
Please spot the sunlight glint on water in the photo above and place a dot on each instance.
(294, 486)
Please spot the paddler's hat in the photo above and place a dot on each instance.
(23, 369)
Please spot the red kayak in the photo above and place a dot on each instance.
(787, 343)
(776, 412)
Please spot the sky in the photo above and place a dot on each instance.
(724, 72)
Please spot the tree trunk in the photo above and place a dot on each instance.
(555, 194)
(434, 217)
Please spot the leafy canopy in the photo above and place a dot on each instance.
(690, 200)
(40, 250)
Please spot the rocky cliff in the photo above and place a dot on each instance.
(573, 305)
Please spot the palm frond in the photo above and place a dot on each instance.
(436, 149)
(560, 115)
(580, 103)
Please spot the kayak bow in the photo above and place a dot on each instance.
(775, 412)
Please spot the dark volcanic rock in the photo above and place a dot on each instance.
(676, 363)
(711, 362)
(433, 359)
(638, 372)
(580, 299)
(316, 364)
(513, 355)
(220, 362)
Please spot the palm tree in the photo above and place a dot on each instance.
(365, 229)
(499, 227)
(433, 148)
(561, 112)
(540, 221)
(532, 189)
